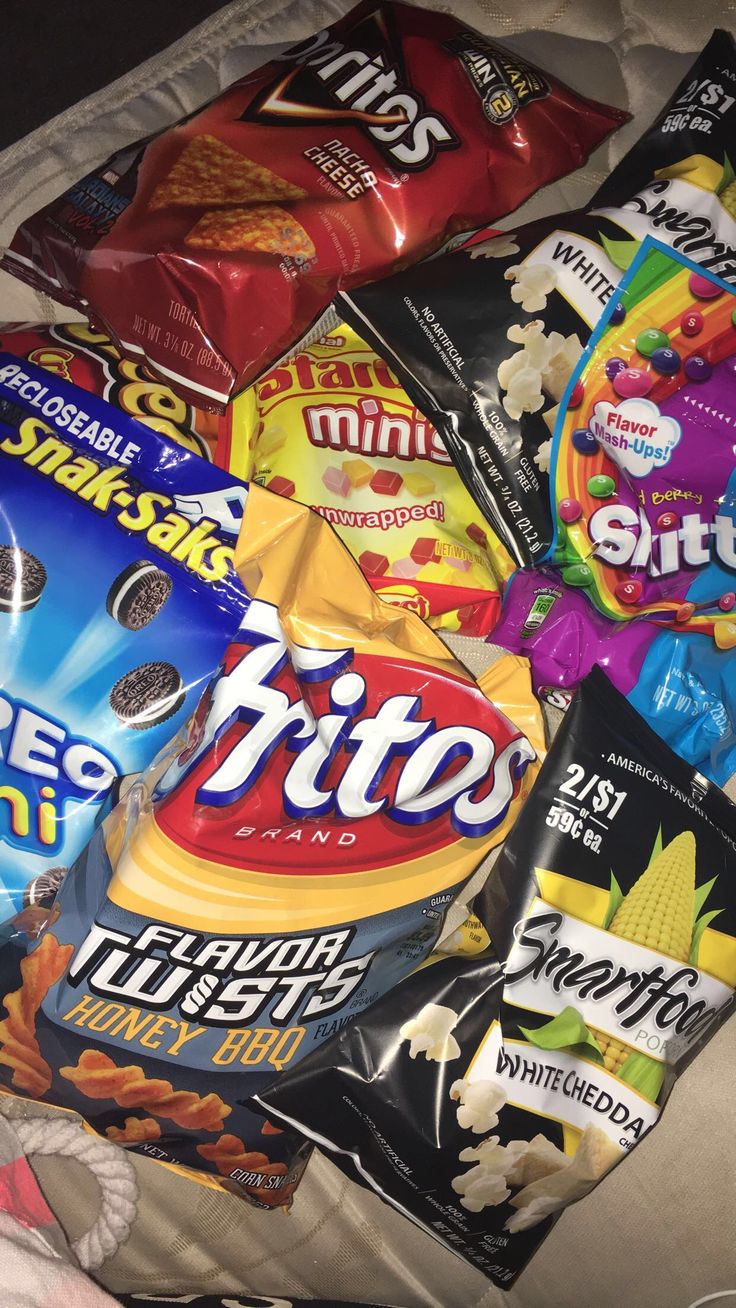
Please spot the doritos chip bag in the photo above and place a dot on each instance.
(334, 429)
(484, 339)
(212, 249)
(276, 873)
(483, 1096)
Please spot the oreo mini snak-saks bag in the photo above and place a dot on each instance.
(485, 338)
(211, 249)
(117, 597)
(483, 1096)
(276, 873)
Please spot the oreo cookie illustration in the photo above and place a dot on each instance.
(42, 889)
(138, 595)
(22, 579)
(147, 695)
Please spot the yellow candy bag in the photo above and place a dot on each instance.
(334, 429)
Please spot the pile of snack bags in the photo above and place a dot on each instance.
(247, 793)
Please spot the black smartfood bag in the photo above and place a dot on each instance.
(485, 338)
(483, 1095)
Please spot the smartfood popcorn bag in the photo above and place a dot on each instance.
(275, 872)
(485, 1094)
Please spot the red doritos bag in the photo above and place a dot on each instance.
(210, 250)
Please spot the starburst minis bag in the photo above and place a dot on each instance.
(485, 339)
(276, 873)
(210, 250)
(483, 1096)
(334, 429)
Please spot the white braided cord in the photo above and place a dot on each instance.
(111, 1168)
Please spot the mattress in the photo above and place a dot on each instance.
(659, 1232)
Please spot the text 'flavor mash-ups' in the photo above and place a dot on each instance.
(117, 597)
(485, 339)
(274, 875)
(334, 429)
(484, 1095)
(210, 250)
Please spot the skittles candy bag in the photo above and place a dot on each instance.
(643, 461)
(645, 492)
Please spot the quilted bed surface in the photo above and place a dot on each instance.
(659, 1233)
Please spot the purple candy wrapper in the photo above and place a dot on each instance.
(563, 636)
(681, 684)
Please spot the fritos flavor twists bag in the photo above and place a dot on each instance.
(334, 429)
(117, 597)
(276, 873)
(85, 356)
(211, 249)
(484, 1095)
(485, 338)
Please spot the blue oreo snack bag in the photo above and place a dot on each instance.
(117, 598)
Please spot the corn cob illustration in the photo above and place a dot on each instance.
(658, 912)
(727, 198)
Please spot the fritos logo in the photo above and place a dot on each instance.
(293, 733)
